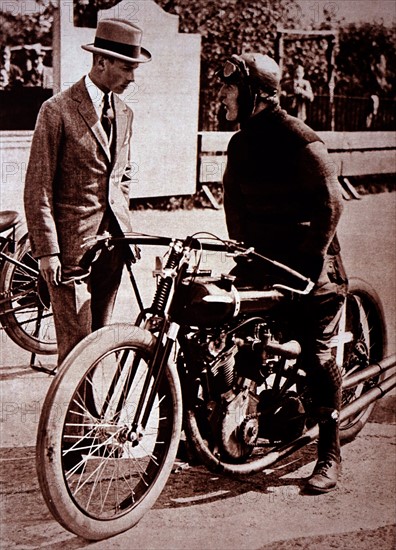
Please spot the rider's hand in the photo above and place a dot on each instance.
(51, 269)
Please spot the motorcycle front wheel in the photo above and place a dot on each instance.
(96, 479)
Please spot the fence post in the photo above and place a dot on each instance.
(331, 42)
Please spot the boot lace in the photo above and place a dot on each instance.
(323, 466)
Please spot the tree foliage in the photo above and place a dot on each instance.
(366, 61)
(19, 27)
(227, 27)
(365, 54)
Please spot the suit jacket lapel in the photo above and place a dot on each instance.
(87, 111)
(121, 120)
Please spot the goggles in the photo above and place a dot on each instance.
(234, 67)
(258, 71)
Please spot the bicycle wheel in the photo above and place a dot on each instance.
(25, 310)
(364, 322)
(94, 479)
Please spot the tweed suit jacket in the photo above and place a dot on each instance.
(71, 179)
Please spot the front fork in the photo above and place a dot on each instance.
(156, 369)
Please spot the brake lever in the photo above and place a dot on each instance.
(235, 249)
(240, 253)
(304, 292)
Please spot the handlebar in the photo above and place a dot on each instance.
(209, 243)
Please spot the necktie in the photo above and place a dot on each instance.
(107, 116)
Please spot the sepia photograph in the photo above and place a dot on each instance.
(198, 274)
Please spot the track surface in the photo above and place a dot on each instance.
(199, 510)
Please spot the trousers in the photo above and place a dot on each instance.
(85, 298)
(315, 321)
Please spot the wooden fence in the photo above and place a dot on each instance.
(351, 114)
(353, 153)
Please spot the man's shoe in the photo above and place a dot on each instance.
(324, 477)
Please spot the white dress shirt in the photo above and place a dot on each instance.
(97, 98)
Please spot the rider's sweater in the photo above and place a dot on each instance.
(281, 193)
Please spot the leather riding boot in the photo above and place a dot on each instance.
(328, 402)
(325, 476)
(328, 467)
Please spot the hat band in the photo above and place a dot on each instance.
(117, 47)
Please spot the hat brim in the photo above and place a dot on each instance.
(145, 55)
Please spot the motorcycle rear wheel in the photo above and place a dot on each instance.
(95, 480)
(364, 319)
(364, 332)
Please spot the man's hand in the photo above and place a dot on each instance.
(51, 269)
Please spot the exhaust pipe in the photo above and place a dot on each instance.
(369, 372)
(379, 390)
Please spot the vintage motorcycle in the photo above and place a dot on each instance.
(217, 361)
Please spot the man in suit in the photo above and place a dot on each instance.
(77, 183)
(302, 92)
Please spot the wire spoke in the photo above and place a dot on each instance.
(112, 471)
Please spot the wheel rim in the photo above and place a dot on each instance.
(105, 473)
(359, 354)
(29, 314)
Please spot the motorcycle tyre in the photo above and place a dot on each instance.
(51, 426)
(371, 305)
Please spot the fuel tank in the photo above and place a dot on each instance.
(210, 301)
(256, 301)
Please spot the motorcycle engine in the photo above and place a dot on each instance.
(239, 371)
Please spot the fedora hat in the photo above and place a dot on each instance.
(119, 38)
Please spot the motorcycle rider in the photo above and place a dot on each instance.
(281, 195)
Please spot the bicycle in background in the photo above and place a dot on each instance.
(25, 308)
